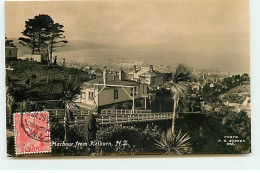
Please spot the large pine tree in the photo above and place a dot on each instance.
(56, 38)
(42, 34)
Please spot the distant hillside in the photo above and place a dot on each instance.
(80, 45)
(71, 46)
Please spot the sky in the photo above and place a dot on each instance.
(190, 25)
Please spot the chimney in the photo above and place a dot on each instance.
(120, 74)
(105, 76)
(134, 68)
(114, 77)
(151, 68)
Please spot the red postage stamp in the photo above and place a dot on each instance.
(32, 134)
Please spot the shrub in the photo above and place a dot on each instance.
(115, 106)
(27, 82)
(74, 134)
(32, 106)
(175, 142)
(33, 76)
(10, 145)
(133, 140)
(126, 105)
(239, 124)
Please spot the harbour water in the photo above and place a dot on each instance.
(224, 61)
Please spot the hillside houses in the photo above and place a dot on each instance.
(237, 107)
(146, 75)
(110, 89)
(10, 50)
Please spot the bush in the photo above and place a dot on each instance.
(33, 76)
(175, 142)
(75, 134)
(31, 106)
(133, 140)
(10, 145)
(239, 124)
(126, 105)
(115, 106)
(27, 82)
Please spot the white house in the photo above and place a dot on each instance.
(237, 107)
(146, 75)
(110, 89)
(10, 50)
(246, 106)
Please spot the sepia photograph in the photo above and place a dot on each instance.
(121, 78)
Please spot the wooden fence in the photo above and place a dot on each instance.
(123, 111)
(134, 117)
(61, 112)
(109, 116)
(58, 115)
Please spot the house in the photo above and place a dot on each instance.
(245, 82)
(10, 50)
(237, 107)
(196, 86)
(146, 75)
(246, 106)
(110, 89)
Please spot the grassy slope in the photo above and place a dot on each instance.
(35, 81)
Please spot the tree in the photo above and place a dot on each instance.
(70, 90)
(245, 77)
(182, 74)
(36, 32)
(239, 124)
(55, 39)
(42, 34)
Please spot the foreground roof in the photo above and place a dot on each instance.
(110, 81)
(145, 72)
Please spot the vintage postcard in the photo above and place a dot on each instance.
(121, 77)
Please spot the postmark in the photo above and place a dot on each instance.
(32, 133)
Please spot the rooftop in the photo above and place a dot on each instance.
(110, 81)
(145, 71)
(9, 44)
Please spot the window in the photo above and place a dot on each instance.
(90, 95)
(115, 93)
(131, 91)
(10, 52)
(152, 80)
